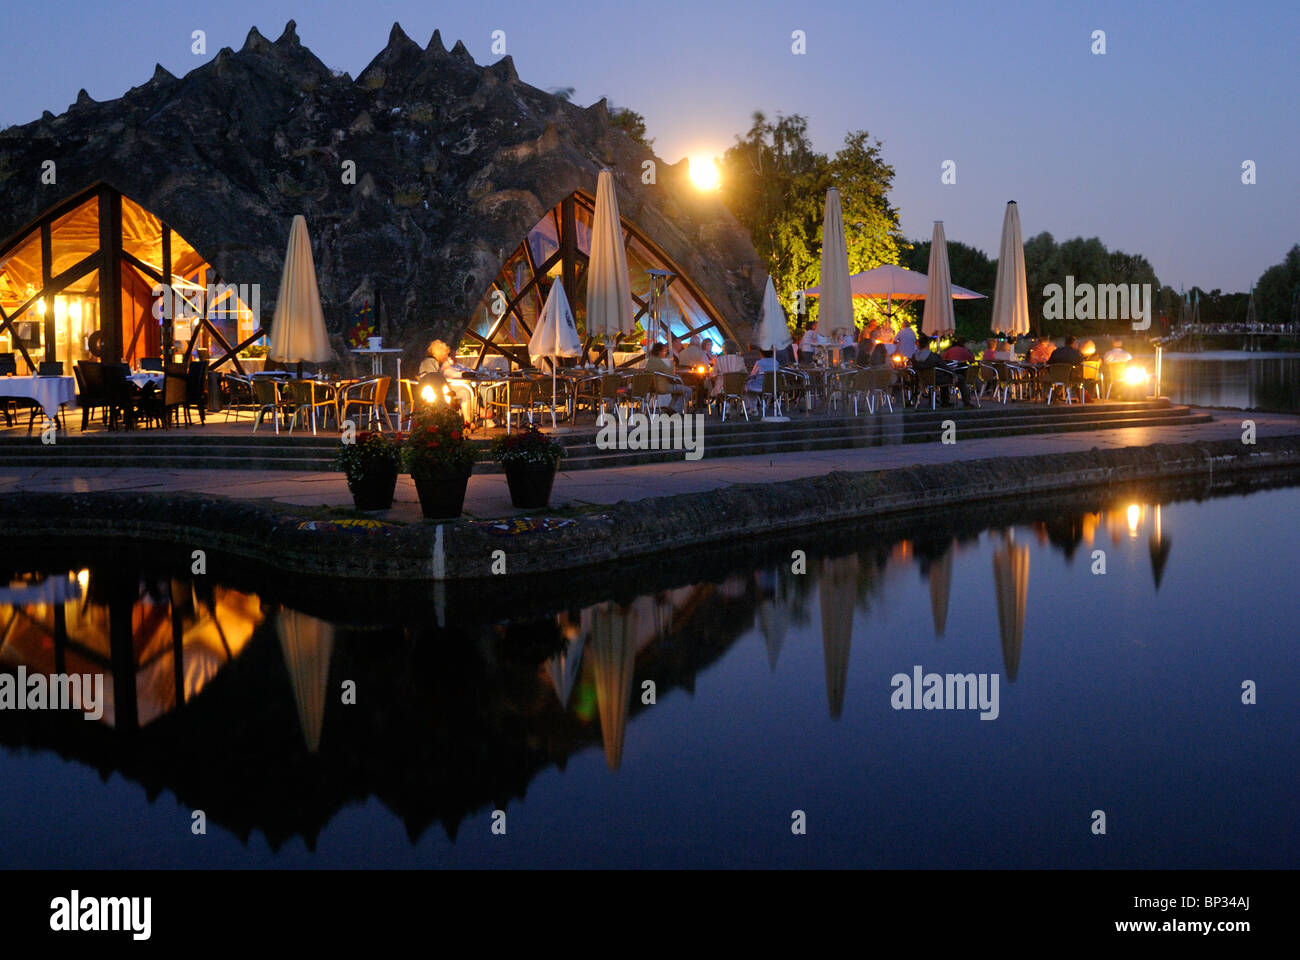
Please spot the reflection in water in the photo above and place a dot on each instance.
(1233, 379)
(1011, 586)
(161, 640)
(307, 644)
(460, 719)
(837, 591)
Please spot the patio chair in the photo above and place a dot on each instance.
(238, 394)
(90, 390)
(120, 395)
(926, 383)
(876, 385)
(196, 390)
(613, 393)
(8, 364)
(50, 368)
(370, 396)
(733, 391)
(268, 398)
(1090, 377)
(309, 396)
(1061, 375)
(151, 363)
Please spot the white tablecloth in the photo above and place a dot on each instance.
(49, 392)
(143, 378)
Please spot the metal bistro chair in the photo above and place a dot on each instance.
(926, 383)
(613, 393)
(238, 394)
(310, 396)
(733, 391)
(196, 390)
(370, 396)
(1061, 375)
(877, 386)
(267, 398)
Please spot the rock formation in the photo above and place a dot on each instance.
(454, 163)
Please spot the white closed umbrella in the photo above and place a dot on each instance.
(938, 316)
(298, 327)
(1011, 295)
(556, 335)
(609, 289)
(774, 335)
(836, 307)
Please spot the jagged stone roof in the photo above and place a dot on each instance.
(455, 162)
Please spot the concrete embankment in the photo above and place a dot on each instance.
(468, 549)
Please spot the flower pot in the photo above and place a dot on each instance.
(374, 489)
(442, 495)
(530, 484)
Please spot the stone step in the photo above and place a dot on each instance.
(253, 453)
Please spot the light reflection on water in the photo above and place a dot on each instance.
(771, 692)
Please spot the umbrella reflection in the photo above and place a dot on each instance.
(563, 668)
(1011, 585)
(307, 645)
(773, 614)
(837, 591)
(1158, 545)
(613, 645)
(940, 589)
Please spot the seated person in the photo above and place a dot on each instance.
(438, 359)
(1117, 353)
(730, 362)
(658, 362)
(785, 356)
(757, 381)
(1068, 353)
(879, 356)
(848, 345)
(990, 351)
(1042, 351)
(692, 355)
(944, 376)
(1004, 350)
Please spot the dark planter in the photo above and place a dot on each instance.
(374, 489)
(442, 495)
(530, 484)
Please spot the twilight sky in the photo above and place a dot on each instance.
(1142, 147)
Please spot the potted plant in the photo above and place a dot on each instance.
(530, 459)
(371, 463)
(439, 457)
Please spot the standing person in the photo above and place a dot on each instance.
(809, 343)
(905, 341)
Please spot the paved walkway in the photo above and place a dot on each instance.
(489, 497)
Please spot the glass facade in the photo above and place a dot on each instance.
(504, 319)
(63, 310)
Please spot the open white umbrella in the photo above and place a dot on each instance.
(1011, 295)
(609, 289)
(556, 335)
(836, 306)
(774, 335)
(298, 327)
(890, 282)
(938, 316)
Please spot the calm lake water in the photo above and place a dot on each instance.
(1119, 692)
(1251, 381)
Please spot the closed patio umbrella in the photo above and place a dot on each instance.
(609, 289)
(298, 327)
(774, 335)
(1011, 295)
(556, 335)
(835, 310)
(937, 319)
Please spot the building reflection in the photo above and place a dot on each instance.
(223, 694)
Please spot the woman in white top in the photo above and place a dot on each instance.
(730, 362)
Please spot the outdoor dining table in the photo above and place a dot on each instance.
(49, 392)
(142, 378)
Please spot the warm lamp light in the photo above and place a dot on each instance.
(704, 173)
(1135, 375)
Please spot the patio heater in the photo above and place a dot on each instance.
(659, 280)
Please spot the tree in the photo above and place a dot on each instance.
(631, 123)
(775, 184)
(970, 268)
(1276, 289)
